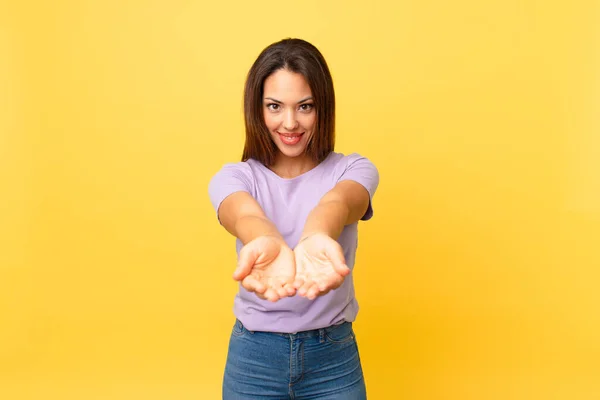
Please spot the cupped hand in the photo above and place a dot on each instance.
(320, 266)
(266, 266)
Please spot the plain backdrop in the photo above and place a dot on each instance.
(477, 277)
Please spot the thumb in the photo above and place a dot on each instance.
(336, 256)
(248, 256)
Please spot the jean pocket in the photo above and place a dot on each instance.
(341, 333)
(238, 328)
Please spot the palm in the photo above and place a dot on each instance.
(320, 266)
(275, 266)
(266, 267)
(314, 266)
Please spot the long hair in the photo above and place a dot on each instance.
(299, 56)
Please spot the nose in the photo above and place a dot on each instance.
(289, 121)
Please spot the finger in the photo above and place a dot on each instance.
(247, 285)
(336, 256)
(255, 282)
(281, 292)
(299, 279)
(313, 292)
(334, 281)
(277, 285)
(271, 295)
(298, 282)
(251, 284)
(248, 256)
(303, 290)
(291, 290)
(260, 296)
(322, 286)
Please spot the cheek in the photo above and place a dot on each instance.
(270, 121)
(308, 122)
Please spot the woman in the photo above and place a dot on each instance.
(294, 205)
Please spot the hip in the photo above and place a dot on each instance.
(318, 363)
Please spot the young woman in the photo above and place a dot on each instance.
(294, 205)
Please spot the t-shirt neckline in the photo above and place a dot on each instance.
(296, 178)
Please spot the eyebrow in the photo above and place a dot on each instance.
(280, 102)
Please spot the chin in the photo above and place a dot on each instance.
(292, 153)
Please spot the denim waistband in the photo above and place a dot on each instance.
(303, 334)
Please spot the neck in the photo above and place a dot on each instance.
(287, 167)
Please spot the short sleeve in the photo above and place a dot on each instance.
(363, 171)
(231, 178)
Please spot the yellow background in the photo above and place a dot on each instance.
(478, 277)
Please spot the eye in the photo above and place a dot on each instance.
(307, 107)
(273, 106)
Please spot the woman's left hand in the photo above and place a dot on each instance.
(320, 266)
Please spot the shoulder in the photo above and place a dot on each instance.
(242, 167)
(342, 163)
(345, 159)
(232, 177)
(358, 168)
(244, 170)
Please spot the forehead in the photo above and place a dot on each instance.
(286, 85)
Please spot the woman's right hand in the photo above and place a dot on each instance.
(266, 266)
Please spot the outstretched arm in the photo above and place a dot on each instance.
(320, 262)
(266, 263)
(343, 205)
(241, 215)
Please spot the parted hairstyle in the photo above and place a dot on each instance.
(299, 56)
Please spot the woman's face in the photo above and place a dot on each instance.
(289, 112)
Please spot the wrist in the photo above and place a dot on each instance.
(311, 234)
(275, 236)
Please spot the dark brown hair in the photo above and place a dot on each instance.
(301, 57)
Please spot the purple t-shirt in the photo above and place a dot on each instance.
(287, 203)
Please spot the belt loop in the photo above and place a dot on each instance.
(321, 335)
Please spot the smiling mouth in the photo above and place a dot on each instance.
(290, 138)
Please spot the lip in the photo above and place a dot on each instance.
(291, 134)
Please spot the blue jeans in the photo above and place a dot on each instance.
(320, 364)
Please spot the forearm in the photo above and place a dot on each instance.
(249, 227)
(327, 217)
